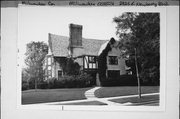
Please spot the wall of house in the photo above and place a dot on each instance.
(121, 62)
(77, 51)
(56, 68)
(85, 62)
(48, 67)
(80, 62)
(59, 62)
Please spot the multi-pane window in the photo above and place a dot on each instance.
(49, 60)
(49, 67)
(92, 62)
(45, 63)
(92, 59)
(49, 72)
(113, 60)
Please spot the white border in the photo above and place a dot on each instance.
(161, 107)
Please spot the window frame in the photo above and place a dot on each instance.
(113, 60)
(92, 59)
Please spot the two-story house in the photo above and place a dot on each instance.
(86, 52)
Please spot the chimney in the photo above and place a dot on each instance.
(75, 35)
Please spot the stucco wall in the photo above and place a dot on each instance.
(121, 61)
(77, 51)
(56, 67)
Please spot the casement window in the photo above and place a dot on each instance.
(49, 72)
(113, 60)
(49, 60)
(92, 59)
(45, 62)
(49, 67)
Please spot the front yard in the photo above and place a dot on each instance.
(68, 94)
(124, 90)
(138, 101)
(52, 95)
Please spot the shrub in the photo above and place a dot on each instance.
(123, 80)
(70, 81)
(43, 85)
(25, 86)
(83, 80)
(127, 80)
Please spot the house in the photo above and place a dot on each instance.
(86, 52)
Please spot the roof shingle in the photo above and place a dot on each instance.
(59, 45)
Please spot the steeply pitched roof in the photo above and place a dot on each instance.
(59, 45)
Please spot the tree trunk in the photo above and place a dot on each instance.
(137, 74)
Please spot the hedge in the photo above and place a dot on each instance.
(76, 81)
(126, 80)
(67, 81)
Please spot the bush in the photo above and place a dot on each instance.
(43, 85)
(127, 80)
(123, 80)
(150, 76)
(69, 81)
(25, 86)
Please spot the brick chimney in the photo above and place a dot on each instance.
(75, 35)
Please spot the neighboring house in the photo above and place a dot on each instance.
(84, 51)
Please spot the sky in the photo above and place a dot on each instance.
(34, 23)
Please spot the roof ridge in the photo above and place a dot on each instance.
(82, 37)
(58, 35)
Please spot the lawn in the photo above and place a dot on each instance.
(124, 90)
(136, 100)
(58, 95)
(52, 95)
(86, 103)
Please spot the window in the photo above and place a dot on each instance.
(92, 59)
(49, 72)
(49, 67)
(59, 74)
(45, 63)
(49, 60)
(113, 60)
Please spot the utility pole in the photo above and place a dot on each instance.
(137, 74)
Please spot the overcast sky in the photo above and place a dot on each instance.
(36, 22)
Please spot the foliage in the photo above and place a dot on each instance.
(122, 80)
(141, 31)
(71, 67)
(68, 65)
(102, 60)
(71, 81)
(35, 54)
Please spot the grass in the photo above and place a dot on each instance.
(57, 95)
(52, 95)
(136, 100)
(124, 90)
(86, 103)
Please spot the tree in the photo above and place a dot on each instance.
(141, 31)
(72, 67)
(35, 54)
